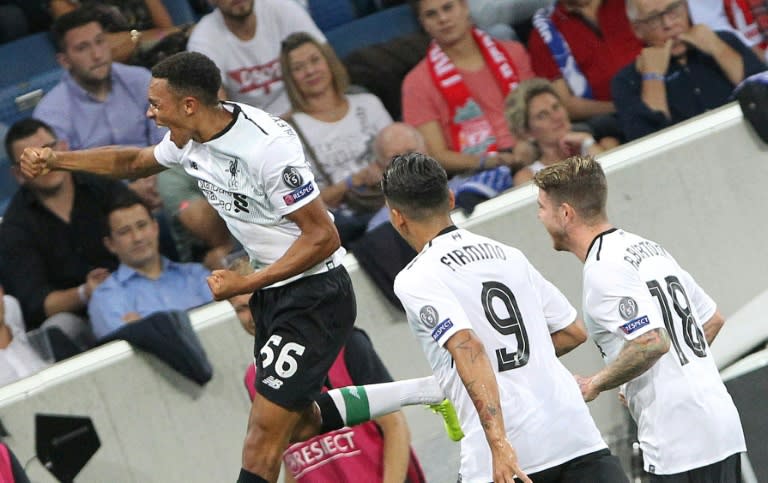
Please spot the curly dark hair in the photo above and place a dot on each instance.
(191, 74)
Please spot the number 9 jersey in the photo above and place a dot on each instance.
(461, 280)
(686, 419)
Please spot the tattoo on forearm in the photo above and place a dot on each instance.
(635, 358)
(467, 345)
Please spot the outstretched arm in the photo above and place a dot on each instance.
(114, 161)
(476, 373)
(637, 356)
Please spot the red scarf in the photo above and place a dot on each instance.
(750, 17)
(470, 130)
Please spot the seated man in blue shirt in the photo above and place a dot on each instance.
(145, 282)
(98, 102)
(683, 71)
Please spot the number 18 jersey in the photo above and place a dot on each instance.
(686, 419)
(465, 281)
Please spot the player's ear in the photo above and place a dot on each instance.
(451, 199)
(190, 105)
(396, 218)
(567, 213)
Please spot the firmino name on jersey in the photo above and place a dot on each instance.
(472, 253)
(634, 254)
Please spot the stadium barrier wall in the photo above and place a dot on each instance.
(695, 188)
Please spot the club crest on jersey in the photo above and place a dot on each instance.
(299, 194)
(428, 316)
(441, 329)
(291, 177)
(235, 172)
(627, 308)
(635, 324)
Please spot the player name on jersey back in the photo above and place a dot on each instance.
(472, 253)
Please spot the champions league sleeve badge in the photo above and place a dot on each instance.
(428, 316)
(627, 308)
(291, 177)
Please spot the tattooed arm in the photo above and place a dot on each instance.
(637, 356)
(476, 373)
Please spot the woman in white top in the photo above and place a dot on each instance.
(337, 130)
(535, 112)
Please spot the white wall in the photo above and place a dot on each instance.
(698, 189)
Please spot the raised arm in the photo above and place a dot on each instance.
(476, 373)
(114, 161)
(637, 356)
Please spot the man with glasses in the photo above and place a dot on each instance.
(683, 71)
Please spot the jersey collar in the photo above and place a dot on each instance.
(236, 111)
(442, 232)
(600, 237)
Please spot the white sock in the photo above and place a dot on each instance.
(357, 404)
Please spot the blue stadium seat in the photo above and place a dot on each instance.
(376, 28)
(329, 14)
(364, 7)
(27, 57)
(181, 11)
(29, 70)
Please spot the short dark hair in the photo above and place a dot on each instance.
(72, 20)
(23, 129)
(122, 200)
(580, 182)
(416, 185)
(191, 74)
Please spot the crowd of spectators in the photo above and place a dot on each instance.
(505, 88)
(606, 71)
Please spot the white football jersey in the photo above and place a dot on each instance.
(465, 281)
(686, 418)
(254, 174)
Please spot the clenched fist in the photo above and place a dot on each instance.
(36, 162)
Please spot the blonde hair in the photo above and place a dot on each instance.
(338, 71)
(578, 181)
(518, 103)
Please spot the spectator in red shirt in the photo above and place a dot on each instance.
(589, 42)
(455, 95)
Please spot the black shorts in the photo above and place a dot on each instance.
(598, 467)
(300, 329)
(725, 471)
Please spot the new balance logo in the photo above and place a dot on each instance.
(272, 382)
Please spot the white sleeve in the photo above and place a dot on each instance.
(286, 177)
(618, 300)
(295, 19)
(166, 153)
(558, 311)
(13, 315)
(430, 306)
(701, 303)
